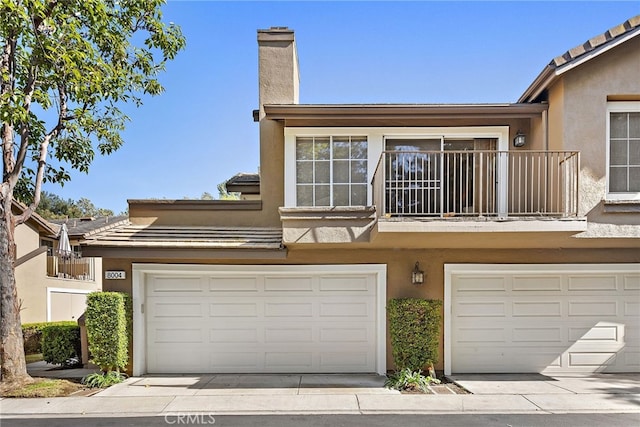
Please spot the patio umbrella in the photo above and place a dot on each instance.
(64, 247)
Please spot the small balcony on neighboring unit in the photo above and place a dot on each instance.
(74, 267)
(475, 185)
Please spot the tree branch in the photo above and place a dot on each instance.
(42, 158)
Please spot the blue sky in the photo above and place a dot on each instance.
(200, 132)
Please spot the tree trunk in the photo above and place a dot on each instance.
(14, 367)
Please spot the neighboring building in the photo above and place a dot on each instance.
(50, 286)
(524, 219)
(246, 185)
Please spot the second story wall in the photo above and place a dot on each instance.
(27, 239)
(578, 111)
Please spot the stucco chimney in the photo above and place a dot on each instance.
(278, 75)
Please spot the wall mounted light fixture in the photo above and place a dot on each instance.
(417, 275)
(520, 139)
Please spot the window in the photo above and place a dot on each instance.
(331, 171)
(623, 150)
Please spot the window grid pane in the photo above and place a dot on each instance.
(624, 152)
(331, 171)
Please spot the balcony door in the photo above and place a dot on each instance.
(440, 176)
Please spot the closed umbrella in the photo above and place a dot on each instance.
(64, 247)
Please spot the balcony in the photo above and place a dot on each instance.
(73, 267)
(474, 190)
(477, 184)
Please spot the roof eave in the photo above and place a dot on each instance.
(42, 224)
(405, 111)
(552, 71)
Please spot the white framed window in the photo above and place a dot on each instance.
(623, 151)
(306, 163)
(331, 170)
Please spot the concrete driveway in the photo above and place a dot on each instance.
(247, 384)
(555, 393)
(545, 384)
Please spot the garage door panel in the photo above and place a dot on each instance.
(596, 333)
(593, 283)
(271, 323)
(288, 284)
(233, 335)
(480, 308)
(233, 284)
(176, 285)
(631, 308)
(631, 282)
(537, 335)
(535, 283)
(593, 308)
(536, 309)
(574, 321)
(345, 284)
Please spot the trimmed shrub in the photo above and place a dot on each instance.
(61, 344)
(128, 312)
(32, 334)
(107, 330)
(415, 331)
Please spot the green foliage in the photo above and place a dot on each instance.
(32, 334)
(68, 68)
(52, 206)
(103, 379)
(128, 313)
(106, 324)
(415, 331)
(60, 343)
(223, 194)
(408, 380)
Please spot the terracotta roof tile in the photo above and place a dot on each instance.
(596, 42)
(195, 237)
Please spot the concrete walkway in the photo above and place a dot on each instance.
(337, 394)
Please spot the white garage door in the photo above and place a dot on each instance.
(263, 319)
(544, 318)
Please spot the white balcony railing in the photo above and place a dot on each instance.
(501, 184)
(72, 267)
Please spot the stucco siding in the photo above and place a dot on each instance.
(399, 264)
(27, 239)
(585, 112)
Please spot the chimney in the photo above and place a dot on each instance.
(278, 75)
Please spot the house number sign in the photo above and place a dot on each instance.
(115, 275)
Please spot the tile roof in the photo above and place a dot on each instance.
(84, 227)
(191, 237)
(246, 183)
(579, 54)
(244, 178)
(596, 42)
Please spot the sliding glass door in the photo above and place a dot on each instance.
(440, 176)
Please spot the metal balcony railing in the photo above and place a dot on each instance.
(500, 184)
(71, 267)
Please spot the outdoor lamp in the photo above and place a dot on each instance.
(417, 275)
(519, 140)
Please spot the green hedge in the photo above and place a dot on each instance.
(106, 324)
(32, 334)
(415, 331)
(60, 343)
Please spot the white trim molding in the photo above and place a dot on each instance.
(618, 107)
(376, 138)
